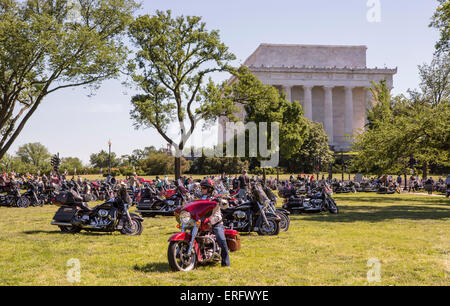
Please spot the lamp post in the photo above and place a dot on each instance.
(109, 159)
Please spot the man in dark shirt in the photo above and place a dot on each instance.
(243, 185)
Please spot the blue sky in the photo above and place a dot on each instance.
(73, 124)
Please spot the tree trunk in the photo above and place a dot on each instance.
(425, 170)
(177, 168)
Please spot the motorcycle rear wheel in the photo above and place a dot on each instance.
(285, 221)
(70, 229)
(178, 261)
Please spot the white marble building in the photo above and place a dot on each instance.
(329, 81)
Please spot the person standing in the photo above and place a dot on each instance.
(243, 185)
(208, 192)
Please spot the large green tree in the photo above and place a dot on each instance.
(101, 160)
(49, 45)
(174, 57)
(34, 154)
(403, 128)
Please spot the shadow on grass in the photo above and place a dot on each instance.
(425, 200)
(153, 267)
(378, 214)
(37, 232)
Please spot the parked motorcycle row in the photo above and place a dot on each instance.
(196, 243)
(309, 198)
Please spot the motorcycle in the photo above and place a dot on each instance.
(13, 198)
(252, 215)
(317, 201)
(151, 204)
(196, 243)
(283, 214)
(33, 195)
(113, 215)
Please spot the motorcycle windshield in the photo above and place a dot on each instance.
(201, 208)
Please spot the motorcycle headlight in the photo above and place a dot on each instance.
(185, 217)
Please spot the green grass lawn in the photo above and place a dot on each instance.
(409, 235)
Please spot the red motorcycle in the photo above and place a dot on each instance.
(196, 243)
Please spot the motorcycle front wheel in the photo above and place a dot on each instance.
(271, 228)
(134, 228)
(178, 258)
(332, 207)
(23, 202)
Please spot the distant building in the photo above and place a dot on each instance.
(329, 81)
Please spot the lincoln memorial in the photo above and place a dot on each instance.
(329, 81)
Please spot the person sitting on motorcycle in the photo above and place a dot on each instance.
(123, 193)
(208, 192)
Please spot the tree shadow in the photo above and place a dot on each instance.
(153, 267)
(424, 201)
(37, 232)
(380, 213)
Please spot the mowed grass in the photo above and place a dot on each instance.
(409, 235)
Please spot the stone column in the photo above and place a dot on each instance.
(288, 91)
(369, 104)
(328, 122)
(307, 90)
(348, 122)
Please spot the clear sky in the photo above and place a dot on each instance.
(73, 124)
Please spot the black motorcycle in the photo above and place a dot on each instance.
(13, 198)
(316, 201)
(150, 204)
(252, 216)
(33, 195)
(74, 216)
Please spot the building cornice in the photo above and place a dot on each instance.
(313, 69)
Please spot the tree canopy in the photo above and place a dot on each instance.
(174, 57)
(46, 46)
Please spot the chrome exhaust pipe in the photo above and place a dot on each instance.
(61, 223)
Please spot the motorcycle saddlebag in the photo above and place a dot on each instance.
(233, 240)
(67, 198)
(64, 214)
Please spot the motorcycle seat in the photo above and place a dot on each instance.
(85, 207)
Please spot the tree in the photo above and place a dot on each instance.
(161, 163)
(101, 160)
(441, 21)
(48, 45)
(434, 85)
(313, 150)
(174, 57)
(403, 128)
(34, 154)
(71, 163)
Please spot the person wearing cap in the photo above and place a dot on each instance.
(208, 192)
